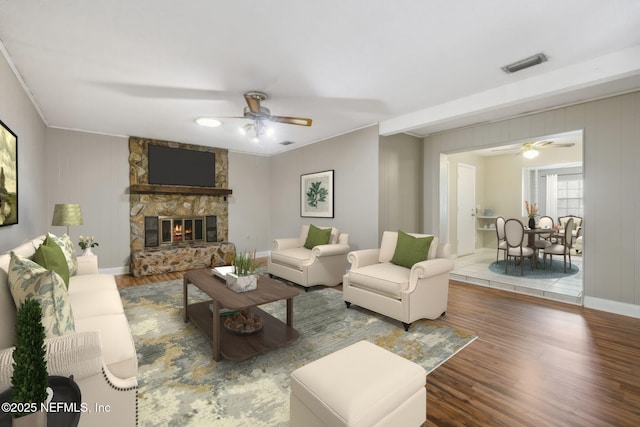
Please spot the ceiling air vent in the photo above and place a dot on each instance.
(536, 59)
(286, 143)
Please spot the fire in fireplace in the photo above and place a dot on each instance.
(161, 230)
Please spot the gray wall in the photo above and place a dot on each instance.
(93, 171)
(18, 113)
(400, 181)
(249, 205)
(611, 156)
(354, 157)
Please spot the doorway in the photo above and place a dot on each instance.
(500, 191)
(466, 202)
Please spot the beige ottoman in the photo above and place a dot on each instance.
(360, 385)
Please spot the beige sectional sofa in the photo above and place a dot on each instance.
(100, 354)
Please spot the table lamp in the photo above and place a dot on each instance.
(67, 214)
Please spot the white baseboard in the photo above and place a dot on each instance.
(115, 270)
(623, 308)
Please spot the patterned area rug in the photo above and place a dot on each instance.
(179, 383)
(553, 269)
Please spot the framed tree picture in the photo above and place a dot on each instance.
(8, 176)
(316, 194)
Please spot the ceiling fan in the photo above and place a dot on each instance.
(259, 115)
(257, 112)
(530, 149)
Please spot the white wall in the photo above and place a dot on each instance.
(354, 157)
(18, 113)
(611, 156)
(93, 171)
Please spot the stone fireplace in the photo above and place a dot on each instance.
(172, 230)
(176, 227)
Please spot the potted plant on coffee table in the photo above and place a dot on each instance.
(30, 379)
(243, 277)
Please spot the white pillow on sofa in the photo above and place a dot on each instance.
(27, 279)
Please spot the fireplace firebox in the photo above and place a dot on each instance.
(173, 230)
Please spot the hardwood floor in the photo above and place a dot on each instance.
(536, 362)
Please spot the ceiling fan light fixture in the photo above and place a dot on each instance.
(530, 153)
(536, 59)
(208, 122)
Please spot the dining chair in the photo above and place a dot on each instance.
(563, 248)
(544, 239)
(502, 244)
(514, 233)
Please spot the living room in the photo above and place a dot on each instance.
(58, 164)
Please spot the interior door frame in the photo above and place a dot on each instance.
(461, 216)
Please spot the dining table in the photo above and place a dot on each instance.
(531, 239)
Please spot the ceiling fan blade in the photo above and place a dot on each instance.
(506, 149)
(567, 145)
(300, 121)
(165, 92)
(539, 144)
(253, 102)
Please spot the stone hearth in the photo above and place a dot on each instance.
(166, 260)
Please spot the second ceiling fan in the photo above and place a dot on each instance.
(530, 149)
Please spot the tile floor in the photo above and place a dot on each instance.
(475, 269)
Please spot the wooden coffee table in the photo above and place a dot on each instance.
(274, 334)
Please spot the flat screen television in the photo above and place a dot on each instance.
(179, 166)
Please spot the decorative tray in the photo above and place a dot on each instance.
(243, 322)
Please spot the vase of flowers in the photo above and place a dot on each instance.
(86, 243)
(532, 211)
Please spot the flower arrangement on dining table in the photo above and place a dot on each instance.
(532, 210)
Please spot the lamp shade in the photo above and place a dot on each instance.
(67, 214)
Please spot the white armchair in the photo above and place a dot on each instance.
(404, 294)
(322, 265)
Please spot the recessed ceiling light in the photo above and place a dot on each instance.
(208, 122)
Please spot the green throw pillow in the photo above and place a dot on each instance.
(317, 236)
(411, 250)
(50, 256)
(30, 280)
(68, 250)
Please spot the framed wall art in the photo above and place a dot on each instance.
(8, 176)
(316, 194)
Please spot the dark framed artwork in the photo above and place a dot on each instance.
(316, 194)
(8, 176)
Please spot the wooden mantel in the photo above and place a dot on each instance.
(178, 189)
